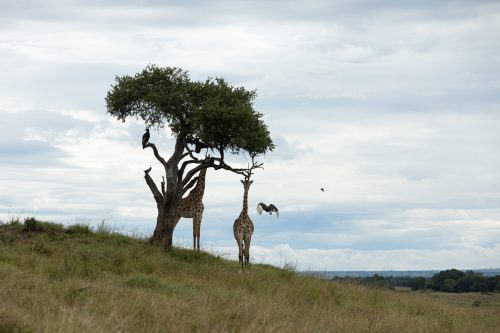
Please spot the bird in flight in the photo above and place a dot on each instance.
(145, 138)
(322, 189)
(269, 209)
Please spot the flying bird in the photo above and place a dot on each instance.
(145, 138)
(322, 189)
(269, 209)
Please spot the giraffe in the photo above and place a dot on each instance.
(243, 229)
(192, 207)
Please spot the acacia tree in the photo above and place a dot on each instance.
(211, 115)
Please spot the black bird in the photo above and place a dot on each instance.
(269, 209)
(322, 189)
(145, 138)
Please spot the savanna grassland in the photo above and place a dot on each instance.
(72, 279)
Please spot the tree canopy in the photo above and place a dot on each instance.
(211, 114)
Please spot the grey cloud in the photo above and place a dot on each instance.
(202, 12)
(72, 86)
(52, 124)
(30, 154)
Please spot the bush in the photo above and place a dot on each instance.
(448, 285)
(31, 224)
(418, 283)
(79, 229)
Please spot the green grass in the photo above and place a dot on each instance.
(56, 279)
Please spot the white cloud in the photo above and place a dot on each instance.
(356, 260)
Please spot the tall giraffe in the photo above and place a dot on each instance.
(243, 229)
(192, 207)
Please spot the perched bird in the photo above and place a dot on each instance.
(322, 189)
(269, 209)
(145, 138)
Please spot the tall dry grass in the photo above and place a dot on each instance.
(55, 279)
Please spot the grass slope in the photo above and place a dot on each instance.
(56, 279)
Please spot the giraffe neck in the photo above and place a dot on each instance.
(244, 211)
(199, 189)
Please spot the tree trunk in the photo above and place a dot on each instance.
(165, 225)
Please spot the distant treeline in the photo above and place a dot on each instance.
(451, 281)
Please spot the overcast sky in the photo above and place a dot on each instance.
(392, 106)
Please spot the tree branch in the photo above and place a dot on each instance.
(242, 171)
(189, 185)
(157, 155)
(152, 186)
(208, 162)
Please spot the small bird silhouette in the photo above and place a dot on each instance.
(322, 189)
(269, 209)
(145, 138)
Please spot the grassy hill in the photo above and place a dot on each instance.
(57, 279)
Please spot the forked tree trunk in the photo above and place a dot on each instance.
(168, 198)
(178, 182)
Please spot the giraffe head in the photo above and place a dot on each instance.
(246, 183)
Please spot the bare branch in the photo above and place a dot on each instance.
(184, 165)
(157, 155)
(152, 186)
(208, 162)
(242, 171)
(189, 185)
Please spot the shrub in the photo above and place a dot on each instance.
(79, 229)
(31, 224)
(448, 285)
(418, 283)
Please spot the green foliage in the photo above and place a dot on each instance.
(418, 283)
(438, 279)
(460, 282)
(450, 281)
(212, 111)
(31, 224)
(79, 229)
(448, 285)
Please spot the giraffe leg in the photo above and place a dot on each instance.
(247, 252)
(194, 234)
(240, 254)
(198, 225)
